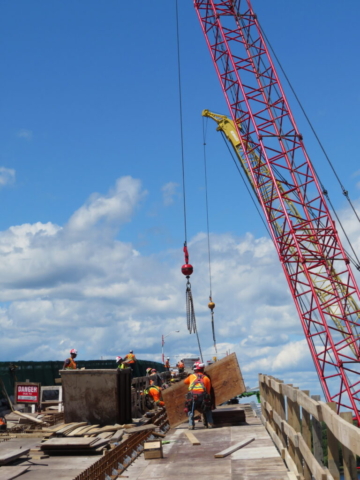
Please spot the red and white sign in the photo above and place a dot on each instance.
(27, 392)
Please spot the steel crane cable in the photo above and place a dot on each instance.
(211, 304)
(181, 117)
(186, 269)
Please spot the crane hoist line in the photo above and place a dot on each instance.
(272, 152)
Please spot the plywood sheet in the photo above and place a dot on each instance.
(67, 442)
(226, 380)
(8, 473)
(14, 449)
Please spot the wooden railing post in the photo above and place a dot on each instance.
(306, 433)
(349, 458)
(280, 405)
(295, 422)
(262, 394)
(333, 449)
(317, 436)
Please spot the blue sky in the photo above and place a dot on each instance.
(91, 230)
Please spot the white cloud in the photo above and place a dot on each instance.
(26, 134)
(7, 176)
(114, 208)
(80, 286)
(169, 191)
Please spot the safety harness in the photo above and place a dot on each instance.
(197, 399)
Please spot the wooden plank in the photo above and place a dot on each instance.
(57, 428)
(317, 435)
(333, 448)
(227, 382)
(306, 433)
(108, 428)
(117, 436)
(8, 473)
(347, 434)
(233, 448)
(82, 431)
(277, 441)
(289, 462)
(28, 417)
(316, 469)
(71, 428)
(66, 442)
(309, 404)
(191, 437)
(143, 428)
(349, 458)
(12, 450)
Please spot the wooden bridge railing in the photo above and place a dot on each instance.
(294, 422)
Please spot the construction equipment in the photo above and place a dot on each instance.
(271, 150)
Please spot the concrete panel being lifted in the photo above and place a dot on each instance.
(226, 380)
(97, 396)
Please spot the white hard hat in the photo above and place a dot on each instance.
(131, 351)
(168, 358)
(118, 359)
(73, 351)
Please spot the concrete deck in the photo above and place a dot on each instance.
(258, 460)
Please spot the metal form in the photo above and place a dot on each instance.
(313, 259)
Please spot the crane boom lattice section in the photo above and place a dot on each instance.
(314, 261)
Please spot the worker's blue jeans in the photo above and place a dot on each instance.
(207, 414)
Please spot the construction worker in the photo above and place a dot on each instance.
(199, 396)
(3, 425)
(69, 363)
(155, 378)
(167, 364)
(155, 393)
(120, 363)
(130, 361)
(181, 366)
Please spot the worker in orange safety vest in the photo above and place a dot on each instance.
(155, 393)
(181, 366)
(69, 363)
(199, 396)
(3, 424)
(167, 364)
(130, 361)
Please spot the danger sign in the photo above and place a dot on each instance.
(27, 392)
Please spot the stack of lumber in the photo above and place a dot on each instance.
(74, 445)
(228, 416)
(79, 438)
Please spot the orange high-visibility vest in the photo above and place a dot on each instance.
(198, 383)
(130, 358)
(72, 365)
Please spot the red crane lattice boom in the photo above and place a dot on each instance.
(313, 259)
